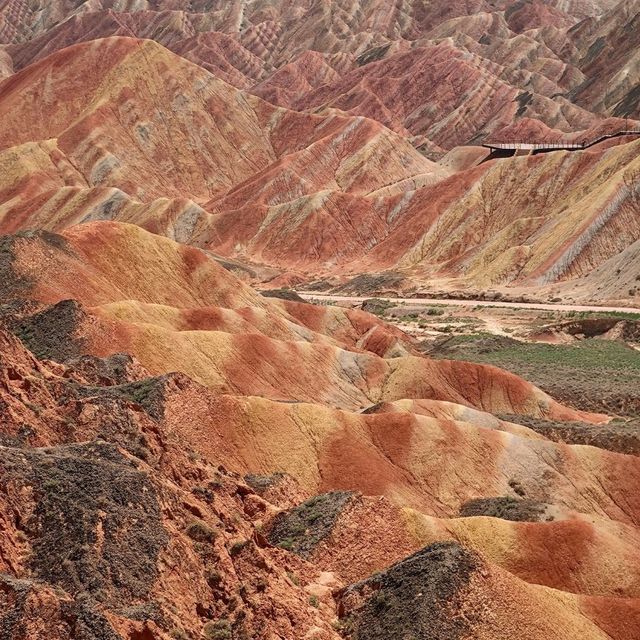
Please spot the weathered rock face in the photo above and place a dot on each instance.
(96, 526)
(184, 458)
(608, 57)
(112, 530)
(541, 50)
(326, 195)
(433, 580)
(138, 502)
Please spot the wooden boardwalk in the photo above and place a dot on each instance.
(562, 145)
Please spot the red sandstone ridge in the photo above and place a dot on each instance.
(543, 52)
(234, 437)
(183, 458)
(169, 290)
(138, 150)
(316, 194)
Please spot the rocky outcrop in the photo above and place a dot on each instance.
(182, 457)
(159, 496)
(309, 194)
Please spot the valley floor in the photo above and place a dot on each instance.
(315, 297)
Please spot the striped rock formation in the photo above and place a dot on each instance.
(314, 195)
(259, 494)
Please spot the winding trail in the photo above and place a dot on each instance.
(453, 302)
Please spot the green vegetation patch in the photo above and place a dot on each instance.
(107, 371)
(282, 294)
(376, 306)
(148, 393)
(592, 374)
(13, 284)
(621, 437)
(217, 630)
(505, 507)
(419, 597)
(372, 55)
(97, 525)
(51, 333)
(586, 354)
(371, 284)
(585, 315)
(260, 484)
(302, 528)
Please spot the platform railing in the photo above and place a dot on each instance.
(534, 146)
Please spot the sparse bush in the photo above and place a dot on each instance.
(213, 578)
(237, 547)
(380, 601)
(376, 306)
(505, 507)
(36, 408)
(261, 585)
(216, 483)
(517, 487)
(345, 625)
(301, 529)
(286, 544)
(294, 578)
(203, 493)
(314, 601)
(217, 630)
(433, 311)
(260, 484)
(200, 531)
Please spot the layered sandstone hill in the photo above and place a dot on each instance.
(182, 458)
(223, 482)
(541, 59)
(152, 139)
(174, 308)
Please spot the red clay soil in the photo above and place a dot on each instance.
(183, 458)
(76, 429)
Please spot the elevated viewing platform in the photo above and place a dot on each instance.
(506, 149)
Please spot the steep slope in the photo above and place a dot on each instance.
(443, 94)
(324, 195)
(112, 529)
(286, 54)
(106, 124)
(241, 543)
(183, 458)
(102, 132)
(610, 60)
(538, 219)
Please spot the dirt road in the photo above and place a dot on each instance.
(471, 303)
